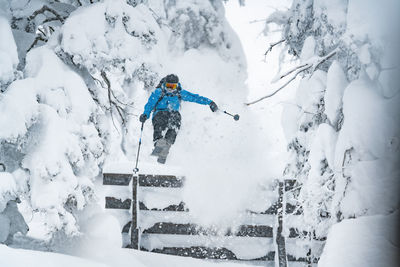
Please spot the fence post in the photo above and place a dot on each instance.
(280, 239)
(134, 225)
(309, 259)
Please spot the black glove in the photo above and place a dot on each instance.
(143, 118)
(213, 106)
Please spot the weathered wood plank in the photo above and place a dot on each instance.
(255, 231)
(148, 180)
(215, 253)
(197, 252)
(193, 229)
(115, 203)
(145, 180)
(290, 209)
(173, 229)
(116, 178)
(293, 258)
(160, 181)
(273, 210)
(208, 253)
(294, 233)
(173, 207)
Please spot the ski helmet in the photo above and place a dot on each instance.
(171, 78)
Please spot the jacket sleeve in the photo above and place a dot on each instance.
(187, 96)
(148, 108)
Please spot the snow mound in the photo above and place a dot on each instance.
(10, 257)
(363, 242)
(336, 83)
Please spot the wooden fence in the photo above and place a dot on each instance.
(274, 233)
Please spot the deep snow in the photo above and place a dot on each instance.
(228, 165)
(11, 257)
(366, 241)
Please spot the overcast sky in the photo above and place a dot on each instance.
(254, 42)
(260, 72)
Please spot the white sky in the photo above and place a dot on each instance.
(260, 72)
(254, 42)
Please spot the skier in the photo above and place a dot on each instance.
(164, 102)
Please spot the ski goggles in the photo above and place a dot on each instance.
(171, 85)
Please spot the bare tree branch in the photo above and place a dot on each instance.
(44, 9)
(159, 20)
(257, 20)
(272, 45)
(103, 74)
(290, 71)
(120, 110)
(325, 58)
(49, 20)
(42, 31)
(119, 101)
(280, 88)
(37, 39)
(298, 69)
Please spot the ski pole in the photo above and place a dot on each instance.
(135, 170)
(235, 117)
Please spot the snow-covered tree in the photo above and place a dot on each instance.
(344, 149)
(70, 75)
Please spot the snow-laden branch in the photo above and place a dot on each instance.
(120, 110)
(272, 45)
(48, 9)
(257, 20)
(37, 39)
(283, 75)
(43, 36)
(312, 64)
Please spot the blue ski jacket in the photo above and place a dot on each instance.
(171, 100)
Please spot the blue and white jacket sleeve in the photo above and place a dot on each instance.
(148, 108)
(187, 96)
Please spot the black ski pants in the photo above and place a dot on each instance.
(166, 120)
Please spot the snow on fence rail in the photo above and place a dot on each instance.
(169, 229)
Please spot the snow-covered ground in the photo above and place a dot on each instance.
(11, 257)
(58, 131)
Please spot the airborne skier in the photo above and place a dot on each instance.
(164, 102)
